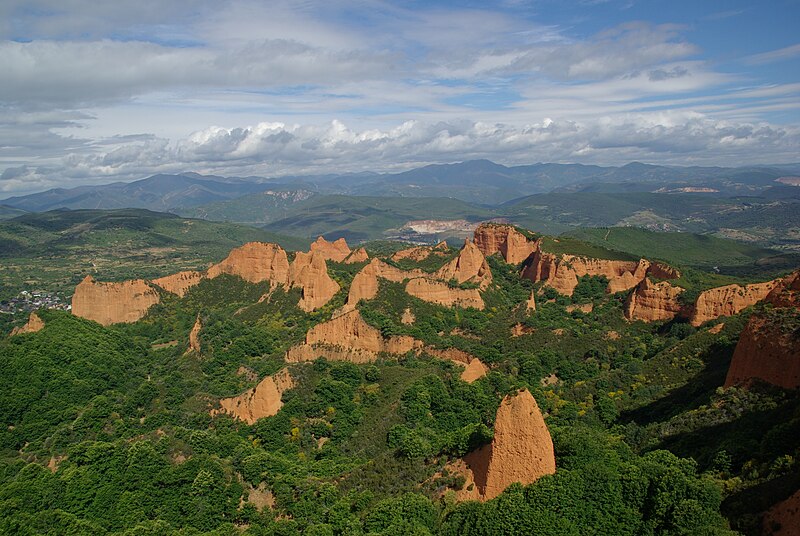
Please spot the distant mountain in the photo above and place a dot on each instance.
(476, 181)
(159, 192)
(7, 212)
(253, 209)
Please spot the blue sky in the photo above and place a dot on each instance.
(94, 92)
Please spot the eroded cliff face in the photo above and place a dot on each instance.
(562, 272)
(179, 283)
(783, 519)
(309, 271)
(348, 338)
(491, 238)
(652, 302)
(521, 451)
(111, 303)
(255, 262)
(34, 324)
(263, 400)
(441, 293)
(728, 300)
(769, 348)
(358, 255)
(336, 251)
(468, 267)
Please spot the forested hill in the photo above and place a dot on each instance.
(359, 391)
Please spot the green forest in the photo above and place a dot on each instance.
(108, 430)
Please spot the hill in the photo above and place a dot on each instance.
(231, 408)
(360, 218)
(54, 250)
(159, 193)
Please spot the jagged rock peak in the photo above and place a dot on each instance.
(652, 302)
(34, 324)
(263, 400)
(255, 262)
(309, 271)
(336, 251)
(521, 451)
(469, 266)
(505, 239)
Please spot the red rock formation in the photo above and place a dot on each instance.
(263, 400)
(194, 336)
(417, 254)
(652, 302)
(767, 349)
(521, 451)
(358, 255)
(179, 283)
(728, 300)
(768, 352)
(530, 303)
(34, 324)
(474, 371)
(787, 292)
(441, 293)
(255, 262)
(309, 271)
(110, 303)
(518, 330)
(468, 267)
(562, 272)
(336, 251)
(365, 283)
(783, 519)
(514, 246)
(451, 354)
(348, 338)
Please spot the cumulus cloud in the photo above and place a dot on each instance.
(275, 148)
(100, 91)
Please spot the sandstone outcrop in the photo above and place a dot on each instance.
(521, 451)
(34, 324)
(468, 267)
(179, 283)
(514, 246)
(474, 371)
(767, 352)
(653, 302)
(309, 271)
(365, 283)
(767, 349)
(336, 251)
(783, 519)
(358, 255)
(408, 317)
(441, 293)
(728, 300)
(530, 303)
(263, 400)
(255, 262)
(518, 330)
(194, 336)
(110, 303)
(417, 254)
(348, 338)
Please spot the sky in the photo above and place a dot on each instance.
(95, 92)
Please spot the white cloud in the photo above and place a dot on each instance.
(275, 148)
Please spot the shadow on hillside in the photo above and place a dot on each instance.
(694, 393)
(744, 508)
